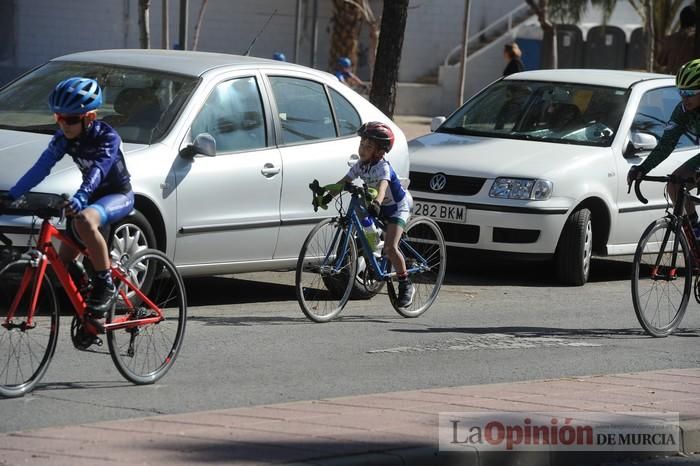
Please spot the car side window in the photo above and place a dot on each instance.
(233, 115)
(654, 111)
(303, 109)
(349, 120)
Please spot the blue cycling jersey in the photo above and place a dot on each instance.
(98, 154)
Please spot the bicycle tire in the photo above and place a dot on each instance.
(317, 301)
(423, 235)
(134, 350)
(669, 311)
(20, 372)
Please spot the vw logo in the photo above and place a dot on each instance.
(438, 182)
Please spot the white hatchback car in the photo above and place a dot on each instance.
(221, 150)
(535, 165)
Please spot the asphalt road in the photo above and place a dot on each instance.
(247, 343)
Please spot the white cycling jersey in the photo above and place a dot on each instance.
(397, 201)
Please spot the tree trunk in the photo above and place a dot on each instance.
(198, 26)
(386, 67)
(347, 21)
(144, 26)
(165, 39)
(651, 37)
(697, 28)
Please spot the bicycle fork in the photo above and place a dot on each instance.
(33, 276)
(670, 273)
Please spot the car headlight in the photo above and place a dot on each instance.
(521, 188)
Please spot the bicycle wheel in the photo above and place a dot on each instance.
(25, 353)
(660, 289)
(423, 247)
(143, 353)
(322, 292)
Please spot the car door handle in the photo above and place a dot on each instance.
(354, 158)
(269, 170)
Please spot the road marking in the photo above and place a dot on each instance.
(490, 341)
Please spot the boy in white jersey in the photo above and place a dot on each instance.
(393, 201)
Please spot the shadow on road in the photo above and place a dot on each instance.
(535, 332)
(529, 274)
(210, 291)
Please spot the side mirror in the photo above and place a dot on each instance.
(436, 122)
(204, 144)
(640, 142)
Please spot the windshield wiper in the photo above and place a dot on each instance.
(44, 129)
(458, 130)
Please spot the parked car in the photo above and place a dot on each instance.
(534, 166)
(238, 205)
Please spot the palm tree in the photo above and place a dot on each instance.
(346, 21)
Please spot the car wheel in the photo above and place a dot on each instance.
(129, 236)
(573, 256)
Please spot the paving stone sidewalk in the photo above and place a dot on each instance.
(396, 428)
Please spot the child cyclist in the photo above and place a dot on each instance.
(105, 194)
(393, 202)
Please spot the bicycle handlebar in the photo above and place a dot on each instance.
(43, 205)
(317, 190)
(660, 179)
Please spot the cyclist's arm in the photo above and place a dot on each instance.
(674, 129)
(41, 168)
(381, 191)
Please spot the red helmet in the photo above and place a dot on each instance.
(378, 132)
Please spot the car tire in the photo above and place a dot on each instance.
(573, 256)
(130, 235)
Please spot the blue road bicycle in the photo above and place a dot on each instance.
(336, 256)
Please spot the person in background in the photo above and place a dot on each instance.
(679, 47)
(512, 54)
(345, 75)
(279, 56)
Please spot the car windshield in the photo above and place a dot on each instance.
(140, 104)
(547, 111)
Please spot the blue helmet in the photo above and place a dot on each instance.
(344, 62)
(75, 96)
(279, 56)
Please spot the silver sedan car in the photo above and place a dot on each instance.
(221, 150)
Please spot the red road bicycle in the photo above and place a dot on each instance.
(144, 328)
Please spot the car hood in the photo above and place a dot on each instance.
(492, 157)
(18, 152)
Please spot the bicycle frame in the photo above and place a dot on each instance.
(681, 225)
(381, 269)
(45, 255)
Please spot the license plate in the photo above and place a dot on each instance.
(443, 212)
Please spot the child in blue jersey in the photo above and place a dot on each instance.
(393, 201)
(105, 194)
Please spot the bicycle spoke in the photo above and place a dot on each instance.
(660, 292)
(322, 284)
(145, 352)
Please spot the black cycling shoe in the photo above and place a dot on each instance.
(406, 293)
(101, 299)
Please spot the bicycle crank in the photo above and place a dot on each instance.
(81, 338)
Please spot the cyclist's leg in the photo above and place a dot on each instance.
(396, 225)
(103, 211)
(686, 170)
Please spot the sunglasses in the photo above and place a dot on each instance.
(68, 119)
(688, 92)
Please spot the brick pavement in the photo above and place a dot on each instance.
(387, 428)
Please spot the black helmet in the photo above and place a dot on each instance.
(378, 132)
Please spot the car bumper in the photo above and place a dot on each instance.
(505, 228)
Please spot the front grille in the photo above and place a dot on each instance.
(460, 185)
(458, 233)
(515, 236)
